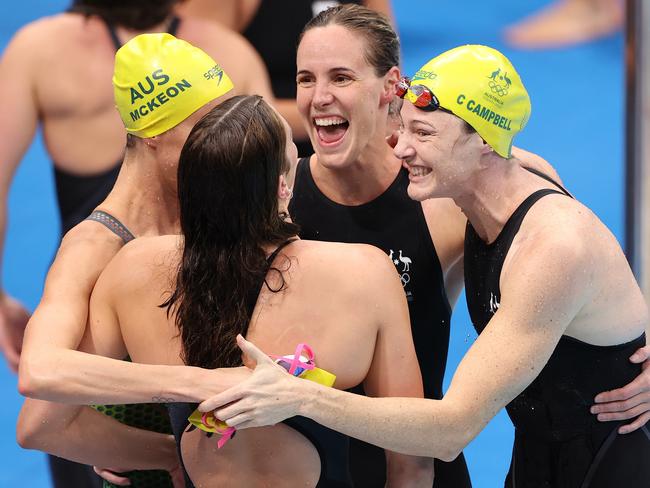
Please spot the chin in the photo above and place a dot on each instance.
(418, 193)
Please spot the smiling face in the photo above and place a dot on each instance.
(438, 150)
(342, 101)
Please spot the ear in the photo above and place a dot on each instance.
(390, 80)
(285, 192)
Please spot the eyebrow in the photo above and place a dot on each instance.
(332, 70)
(420, 121)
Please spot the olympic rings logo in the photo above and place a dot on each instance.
(498, 89)
(405, 278)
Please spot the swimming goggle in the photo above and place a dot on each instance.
(418, 95)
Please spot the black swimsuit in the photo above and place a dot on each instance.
(332, 446)
(396, 224)
(558, 442)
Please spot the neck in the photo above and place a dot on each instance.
(361, 181)
(143, 200)
(493, 194)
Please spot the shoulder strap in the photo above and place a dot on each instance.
(112, 33)
(112, 224)
(174, 23)
(548, 178)
(253, 294)
(172, 28)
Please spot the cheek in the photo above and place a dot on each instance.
(303, 100)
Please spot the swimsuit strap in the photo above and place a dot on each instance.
(112, 224)
(173, 25)
(255, 292)
(172, 28)
(113, 33)
(547, 178)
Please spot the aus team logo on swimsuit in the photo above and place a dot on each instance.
(403, 265)
(499, 82)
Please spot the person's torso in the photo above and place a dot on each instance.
(554, 426)
(396, 224)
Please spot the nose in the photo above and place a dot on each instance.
(322, 95)
(402, 149)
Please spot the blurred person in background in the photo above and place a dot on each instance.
(567, 22)
(74, 106)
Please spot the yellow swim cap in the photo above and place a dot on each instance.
(479, 85)
(160, 80)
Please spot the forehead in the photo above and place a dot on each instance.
(438, 119)
(331, 46)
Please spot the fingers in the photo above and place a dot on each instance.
(624, 405)
(637, 424)
(229, 396)
(642, 354)
(231, 411)
(623, 415)
(628, 391)
(111, 477)
(252, 351)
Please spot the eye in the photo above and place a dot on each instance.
(341, 79)
(304, 80)
(422, 133)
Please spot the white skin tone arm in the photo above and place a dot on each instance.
(18, 122)
(87, 436)
(51, 367)
(506, 357)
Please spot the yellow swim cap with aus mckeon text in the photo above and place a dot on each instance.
(160, 80)
(479, 85)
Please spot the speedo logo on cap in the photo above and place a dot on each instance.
(484, 112)
(424, 75)
(146, 87)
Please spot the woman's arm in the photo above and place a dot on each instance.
(505, 358)
(51, 367)
(87, 436)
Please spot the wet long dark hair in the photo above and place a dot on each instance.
(132, 14)
(228, 191)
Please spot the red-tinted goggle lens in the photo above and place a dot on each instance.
(424, 98)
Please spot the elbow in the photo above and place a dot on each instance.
(34, 381)
(450, 453)
(29, 430)
(456, 440)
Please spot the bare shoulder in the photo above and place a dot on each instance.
(535, 161)
(144, 258)
(47, 32)
(558, 228)
(89, 242)
(347, 262)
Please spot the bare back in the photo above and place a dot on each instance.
(343, 300)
